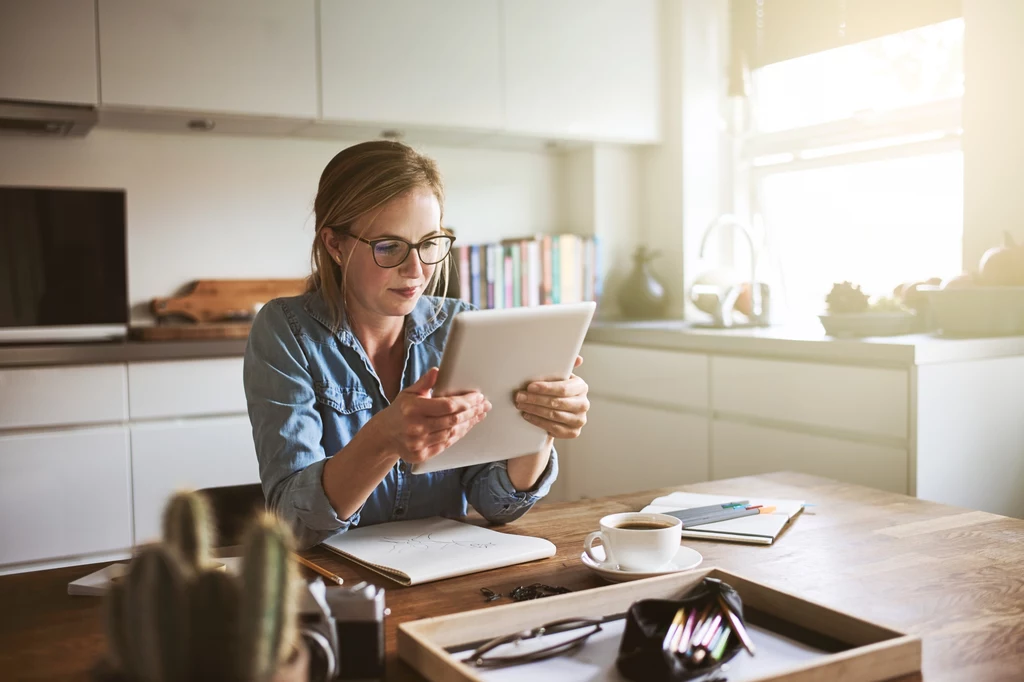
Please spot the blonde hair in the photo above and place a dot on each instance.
(358, 180)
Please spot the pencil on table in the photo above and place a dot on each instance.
(330, 577)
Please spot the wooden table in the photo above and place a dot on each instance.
(953, 576)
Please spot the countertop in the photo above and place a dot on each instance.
(802, 342)
(805, 343)
(116, 352)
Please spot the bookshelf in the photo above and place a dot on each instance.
(528, 271)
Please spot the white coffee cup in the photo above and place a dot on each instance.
(636, 541)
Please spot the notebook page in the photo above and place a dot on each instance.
(422, 550)
(757, 526)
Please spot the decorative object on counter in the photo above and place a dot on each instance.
(642, 295)
(851, 313)
(846, 297)
(721, 294)
(982, 311)
(1003, 266)
(176, 618)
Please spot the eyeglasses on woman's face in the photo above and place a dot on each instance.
(390, 252)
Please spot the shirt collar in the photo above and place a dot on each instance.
(424, 319)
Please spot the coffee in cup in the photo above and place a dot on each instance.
(636, 541)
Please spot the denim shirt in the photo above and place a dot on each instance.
(309, 390)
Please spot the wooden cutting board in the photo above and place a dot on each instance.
(222, 300)
(191, 332)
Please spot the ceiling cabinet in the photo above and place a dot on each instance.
(254, 57)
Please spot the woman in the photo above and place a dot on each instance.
(338, 380)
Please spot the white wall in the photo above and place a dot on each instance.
(993, 140)
(208, 206)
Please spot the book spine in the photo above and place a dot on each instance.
(463, 273)
(534, 284)
(517, 275)
(492, 270)
(556, 269)
(547, 271)
(474, 270)
(509, 281)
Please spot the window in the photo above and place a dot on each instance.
(852, 165)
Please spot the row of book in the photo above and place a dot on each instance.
(541, 270)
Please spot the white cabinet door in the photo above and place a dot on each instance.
(202, 453)
(239, 56)
(625, 448)
(412, 62)
(51, 396)
(48, 51)
(646, 375)
(183, 388)
(867, 400)
(744, 450)
(583, 68)
(64, 494)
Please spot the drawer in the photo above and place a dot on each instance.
(185, 388)
(746, 450)
(55, 396)
(866, 400)
(64, 494)
(645, 375)
(201, 453)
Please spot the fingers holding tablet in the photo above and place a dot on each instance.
(558, 407)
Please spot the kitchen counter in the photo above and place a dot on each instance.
(116, 352)
(805, 342)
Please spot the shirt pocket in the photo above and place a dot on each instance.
(344, 400)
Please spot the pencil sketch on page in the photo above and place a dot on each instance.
(426, 542)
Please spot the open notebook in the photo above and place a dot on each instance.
(414, 552)
(760, 529)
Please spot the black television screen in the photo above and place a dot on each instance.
(62, 257)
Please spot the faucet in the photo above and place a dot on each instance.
(758, 291)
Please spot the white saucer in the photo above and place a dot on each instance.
(684, 560)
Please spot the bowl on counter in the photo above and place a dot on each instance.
(881, 323)
(976, 311)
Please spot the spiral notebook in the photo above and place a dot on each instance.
(760, 529)
(424, 550)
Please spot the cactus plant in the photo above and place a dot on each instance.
(269, 598)
(175, 618)
(189, 529)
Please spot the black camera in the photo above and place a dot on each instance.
(343, 627)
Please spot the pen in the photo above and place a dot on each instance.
(691, 623)
(318, 569)
(718, 646)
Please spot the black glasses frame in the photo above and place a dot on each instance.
(409, 248)
(479, 658)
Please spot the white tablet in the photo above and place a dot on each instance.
(499, 352)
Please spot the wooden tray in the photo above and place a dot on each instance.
(871, 652)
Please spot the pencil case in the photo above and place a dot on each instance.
(642, 655)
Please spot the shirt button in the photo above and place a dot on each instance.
(399, 511)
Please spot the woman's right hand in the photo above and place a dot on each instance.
(420, 426)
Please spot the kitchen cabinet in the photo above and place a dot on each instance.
(865, 400)
(48, 51)
(197, 453)
(253, 57)
(583, 69)
(646, 376)
(739, 449)
(185, 388)
(625, 447)
(64, 493)
(408, 62)
(33, 397)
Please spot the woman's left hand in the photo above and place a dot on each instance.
(558, 407)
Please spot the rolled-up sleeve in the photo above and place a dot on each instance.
(287, 428)
(490, 491)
